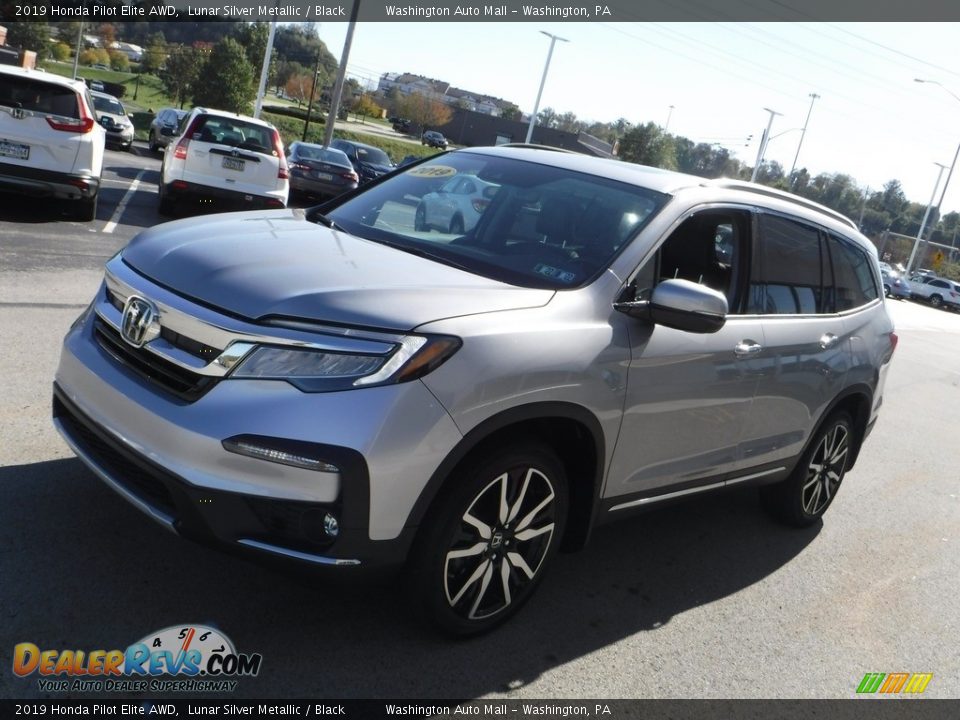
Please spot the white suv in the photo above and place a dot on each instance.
(226, 160)
(50, 143)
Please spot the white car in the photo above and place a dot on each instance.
(456, 206)
(50, 142)
(113, 116)
(226, 160)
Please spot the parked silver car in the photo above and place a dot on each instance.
(350, 392)
(895, 284)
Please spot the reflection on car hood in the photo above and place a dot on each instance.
(376, 167)
(262, 264)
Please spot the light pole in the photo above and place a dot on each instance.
(543, 81)
(926, 215)
(803, 134)
(763, 144)
(957, 153)
(666, 128)
(264, 71)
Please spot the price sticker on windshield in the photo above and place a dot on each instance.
(432, 171)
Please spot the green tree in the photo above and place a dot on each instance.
(253, 37)
(33, 36)
(155, 54)
(119, 60)
(181, 73)
(61, 51)
(226, 79)
(509, 111)
(648, 145)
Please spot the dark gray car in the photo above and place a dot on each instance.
(355, 393)
(319, 171)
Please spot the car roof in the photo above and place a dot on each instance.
(43, 76)
(227, 114)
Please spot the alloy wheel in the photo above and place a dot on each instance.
(504, 537)
(826, 469)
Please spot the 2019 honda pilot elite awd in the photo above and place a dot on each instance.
(340, 388)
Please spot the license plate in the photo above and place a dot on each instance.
(233, 164)
(323, 176)
(14, 150)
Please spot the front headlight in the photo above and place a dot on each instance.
(324, 371)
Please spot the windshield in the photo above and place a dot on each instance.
(373, 156)
(514, 221)
(108, 105)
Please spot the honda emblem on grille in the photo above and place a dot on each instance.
(138, 316)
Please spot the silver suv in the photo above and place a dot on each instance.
(354, 392)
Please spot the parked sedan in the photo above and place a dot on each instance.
(163, 127)
(113, 117)
(321, 171)
(456, 206)
(370, 162)
(434, 139)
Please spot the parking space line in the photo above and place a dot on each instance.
(115, 219)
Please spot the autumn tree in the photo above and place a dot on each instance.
(365, 106)
(424, 111)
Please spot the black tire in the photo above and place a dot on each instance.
(154, 145)
(886, 290)
(936, 300)
(420, 219)
(804, 497)
(456, 225)
(167, 206)
(85, 209)
(470, 575)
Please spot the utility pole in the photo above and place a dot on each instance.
(76, 57)
(265, 70)
(926, 215)
(341, 75)
(313, 89)
(763, 144)
(666, 128)
(543, 81)
(803, 134)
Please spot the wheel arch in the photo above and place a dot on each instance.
(857, 401)
(570, 430)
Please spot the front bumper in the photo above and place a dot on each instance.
(165, 455)
(47, 183)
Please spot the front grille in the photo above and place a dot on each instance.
(177, 381)
(135, 477)
(207, 353)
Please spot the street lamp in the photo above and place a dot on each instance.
(957, 153)
(666, 128)
(543, 81)
(813, 98)
(763, 144)
(926, 216)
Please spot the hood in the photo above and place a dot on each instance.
(262, 264)
(376, 167)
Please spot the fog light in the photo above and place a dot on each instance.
(293, 456)
(330, 525)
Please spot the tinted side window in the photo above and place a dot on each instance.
(788, 269)
(854, 283)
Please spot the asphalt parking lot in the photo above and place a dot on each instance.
(709, 599)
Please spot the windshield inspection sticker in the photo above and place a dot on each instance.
(431, 171)
(555, 273)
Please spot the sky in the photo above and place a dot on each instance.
(871, 120)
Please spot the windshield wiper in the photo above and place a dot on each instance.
(420, 252)
(321, 219)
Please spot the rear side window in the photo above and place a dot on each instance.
(39, 97)
(790, 269)
(854, 283)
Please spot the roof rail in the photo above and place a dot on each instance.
(535, 146)
(730, 184)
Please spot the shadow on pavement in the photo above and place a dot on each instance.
(85, 570)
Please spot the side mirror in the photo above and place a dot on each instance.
(682, 305)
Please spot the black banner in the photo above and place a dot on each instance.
(858, 709)
(477, 11)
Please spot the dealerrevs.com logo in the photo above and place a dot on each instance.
(180, 658)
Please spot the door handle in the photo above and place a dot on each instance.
(828, 340)
(745, 348)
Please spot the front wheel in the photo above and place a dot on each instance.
(486, 544)
(801, 499)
